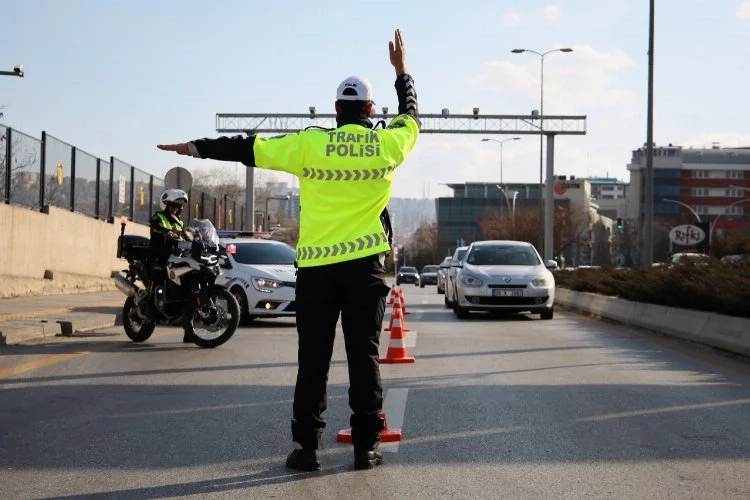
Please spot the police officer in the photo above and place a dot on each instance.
(346, 175)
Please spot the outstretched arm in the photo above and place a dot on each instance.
(237, 148)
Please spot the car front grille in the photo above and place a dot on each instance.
(506, 286)
(506, 301)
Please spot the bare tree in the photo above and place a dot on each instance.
(422, 246)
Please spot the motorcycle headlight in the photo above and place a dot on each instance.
(541, 282)
(266, 285)
(470, 280)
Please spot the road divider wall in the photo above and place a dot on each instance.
(729, 333)
(57, 252)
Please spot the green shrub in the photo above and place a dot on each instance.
(719, 287)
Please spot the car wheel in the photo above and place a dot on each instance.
(239, 295)
(461, 312)
(548, 314)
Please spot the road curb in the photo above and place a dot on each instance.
(68, 325)
(728, 333)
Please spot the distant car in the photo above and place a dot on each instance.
(407, 274)
(428, 276)
(443, 274)
(736, 258)
(697, 258)
(261, 275)
(504, 276)
(450, 285)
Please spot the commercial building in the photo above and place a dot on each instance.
(460, 218)
(708, 182)
(611, 195)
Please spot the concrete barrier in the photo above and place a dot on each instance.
(78, 252)
(724, 332)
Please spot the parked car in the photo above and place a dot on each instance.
(736, 258)
(504, 276)
(407, 274)
(428, 276)
(697, 258)
(261, 275)
(443, 274)
(450, 285)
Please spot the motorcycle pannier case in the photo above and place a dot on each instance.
(133, 247)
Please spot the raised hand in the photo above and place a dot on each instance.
(398, 53)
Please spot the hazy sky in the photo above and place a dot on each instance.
(118, 77)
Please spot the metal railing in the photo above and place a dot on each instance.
(39, 173)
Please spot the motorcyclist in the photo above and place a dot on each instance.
(166, 226)
(166, 230)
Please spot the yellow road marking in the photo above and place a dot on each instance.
(59, 358)
(50, 312)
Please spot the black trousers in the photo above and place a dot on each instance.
(356, 290)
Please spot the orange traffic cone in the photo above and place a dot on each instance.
(386, 435)
(396, 347)
(404, 328)
(394, 295)
(403, 303)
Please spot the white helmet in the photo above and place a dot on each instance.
(173, 197)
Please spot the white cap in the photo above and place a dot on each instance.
(354, 88)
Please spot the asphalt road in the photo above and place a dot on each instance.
(494, 407)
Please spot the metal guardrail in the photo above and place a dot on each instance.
(39, 173)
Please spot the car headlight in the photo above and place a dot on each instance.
(541, 282)
(470, 280)
(266, 285)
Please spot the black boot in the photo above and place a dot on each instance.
(367, 458)
(304, 460)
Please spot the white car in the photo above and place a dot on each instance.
(504, 276)
(261, 275)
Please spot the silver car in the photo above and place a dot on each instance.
(443, 274)
(450, 277)
(504, 276)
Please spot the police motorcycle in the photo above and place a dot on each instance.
(189, 297)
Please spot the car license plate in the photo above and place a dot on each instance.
(507, 293)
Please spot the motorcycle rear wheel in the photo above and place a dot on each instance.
(214, 331)
(136, 329)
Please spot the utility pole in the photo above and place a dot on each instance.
(648, 238)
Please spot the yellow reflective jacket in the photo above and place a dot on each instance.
(346, 176)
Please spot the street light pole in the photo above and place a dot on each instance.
(547, 223)
(716, 220)
(501, 152)
(686, 206)
(17, 71)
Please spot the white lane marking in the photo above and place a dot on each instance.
(411, 339)
(394, 406)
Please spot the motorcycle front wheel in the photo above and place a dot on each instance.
(213, 323)
(136, 328)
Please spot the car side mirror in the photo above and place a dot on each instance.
(552, 265)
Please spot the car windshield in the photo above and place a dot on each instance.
(503, 255)
(430, 269)
(262, 253)
(460, 255)
(408, 269)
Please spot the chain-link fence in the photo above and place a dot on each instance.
(37, 174)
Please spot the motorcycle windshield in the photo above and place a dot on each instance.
(206, 230)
